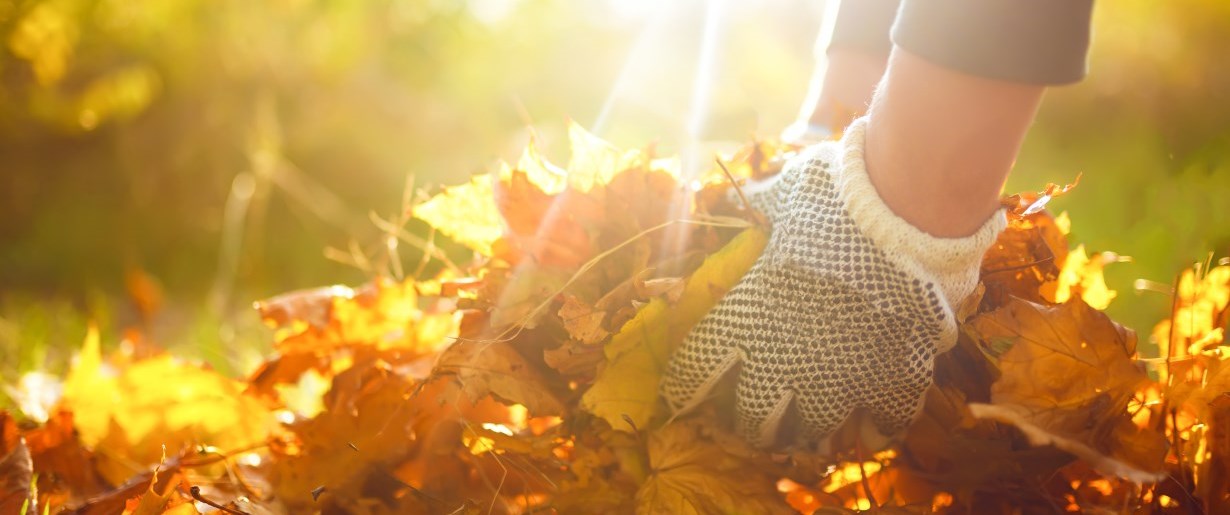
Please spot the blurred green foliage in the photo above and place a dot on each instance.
(221, 145)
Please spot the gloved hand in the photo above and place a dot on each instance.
(843, 313)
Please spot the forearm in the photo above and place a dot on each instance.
(940, 142)
(962, 87)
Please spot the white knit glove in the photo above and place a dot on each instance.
(844, 312)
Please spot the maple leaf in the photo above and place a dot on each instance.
(1082, 276)
(66, 466)
(363, 434)
(514, 296)
(690, 473)
(497, 369)
(638, 355)
(1067, 373)
(465, 214)
(594, 161)
(383, 316)
(1024, 258)
(16, 469)
(155, 500)
(130, 415)
(582, 321)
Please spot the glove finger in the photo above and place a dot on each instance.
(894, 407)
(705, 356)
(824, 406)
(762, 402)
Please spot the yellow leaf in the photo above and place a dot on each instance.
(1083, 275)
(466, 214)
(130, 414)
(693, 474)
(594, 161)
(638, 355)
(540, 172)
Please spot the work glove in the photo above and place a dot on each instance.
(842, 314)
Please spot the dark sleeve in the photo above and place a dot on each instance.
(863, 25)
(1030, 41)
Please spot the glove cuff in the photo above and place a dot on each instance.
(950, 263)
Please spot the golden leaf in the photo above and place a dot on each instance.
(582, 321)
(382, 316)
(465, 214)
(693, 474)
(1082, 275)
(546, 177)
(1025, 257)
(594, 161)
(153, 403)
(496, 368)
(638, 354)
(1066, 377)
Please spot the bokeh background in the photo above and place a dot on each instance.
(163, 163)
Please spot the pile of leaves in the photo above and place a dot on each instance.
(526, 381)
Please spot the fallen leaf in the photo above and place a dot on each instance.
(16, 470)
(367, 408)
(495, 368)
(465, 214)
(1026, 256)
(1067, 374)
(65, 465)
(1082, 276)
(582, 322)
(690, 474)
(639, 353)
(313, 306)
(154, 501)
(153, 404)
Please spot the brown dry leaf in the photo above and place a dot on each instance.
(1029, 203)
(1026, 256)
(670, 288)
(689, 473)
(383, 316)
(627, 388)
(144, 291)
(363, 434)
(65, 466)
(575, 359)
(515, 295)
(1067, 373)
(155, 500)
(313, 306)
(547, 228)
(606, 467)
(495, 368)
(16, 470)
(582, 322)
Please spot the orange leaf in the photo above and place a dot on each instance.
(1067, 373)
